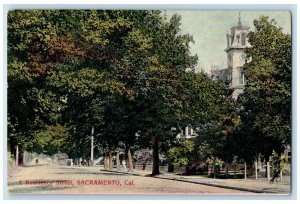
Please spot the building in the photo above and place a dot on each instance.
(233, 75)
(186, 133)
(219, 73)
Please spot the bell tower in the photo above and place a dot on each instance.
(236, 44)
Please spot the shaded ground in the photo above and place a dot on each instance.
(250, 184)
(90, 180)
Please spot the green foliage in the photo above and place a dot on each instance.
(266, 101)
(126, 72)
(51, 139)
(182, 154)
(90, 68)
(216, 132)
(214, 161)
(278, 163)
(10, 158)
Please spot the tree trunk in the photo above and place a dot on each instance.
(106, 163)
(256, 170)
(110, 164)
(24, 158)
(130, 166)
(226, 168)
(214, 171)
(17, 155)
(235, 167)
(170, 168)
(155, 169)
(118, 160)
(245, 172)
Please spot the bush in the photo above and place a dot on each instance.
(10, 158)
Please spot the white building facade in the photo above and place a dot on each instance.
(237, 42)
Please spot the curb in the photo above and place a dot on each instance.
(203, 183)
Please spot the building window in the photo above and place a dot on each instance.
(229, 57)
(189, 130)
(243, 39)
(241, 76)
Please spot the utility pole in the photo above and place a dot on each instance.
(256, 170)
(92, 146)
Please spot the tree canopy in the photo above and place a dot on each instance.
(130, 76)
(266, 101)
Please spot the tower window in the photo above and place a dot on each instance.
(243, 39)
(241, 76)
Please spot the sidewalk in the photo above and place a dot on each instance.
(249, 185)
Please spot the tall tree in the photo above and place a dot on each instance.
(266, 101)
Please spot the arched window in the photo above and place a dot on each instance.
(243, 39)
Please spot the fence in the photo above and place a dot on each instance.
(232, 170)
(148, 167)
(256, 171)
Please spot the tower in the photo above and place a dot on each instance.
(236, 44)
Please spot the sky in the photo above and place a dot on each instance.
(209, 29)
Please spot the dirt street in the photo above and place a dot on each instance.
(90, 180)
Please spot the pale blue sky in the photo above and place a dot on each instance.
(209, 30)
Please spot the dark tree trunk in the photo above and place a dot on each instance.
(12, 150)
(105, 163)
(155, 169)
(170, 168)
(226, 168)
(129, 157)
(215, 172)
(24, 158)
(235, 168)
(110, 161)
(118, 160)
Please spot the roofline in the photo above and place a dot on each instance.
(237, 48)
(242, 27)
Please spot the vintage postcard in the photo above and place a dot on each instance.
(151, 102)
